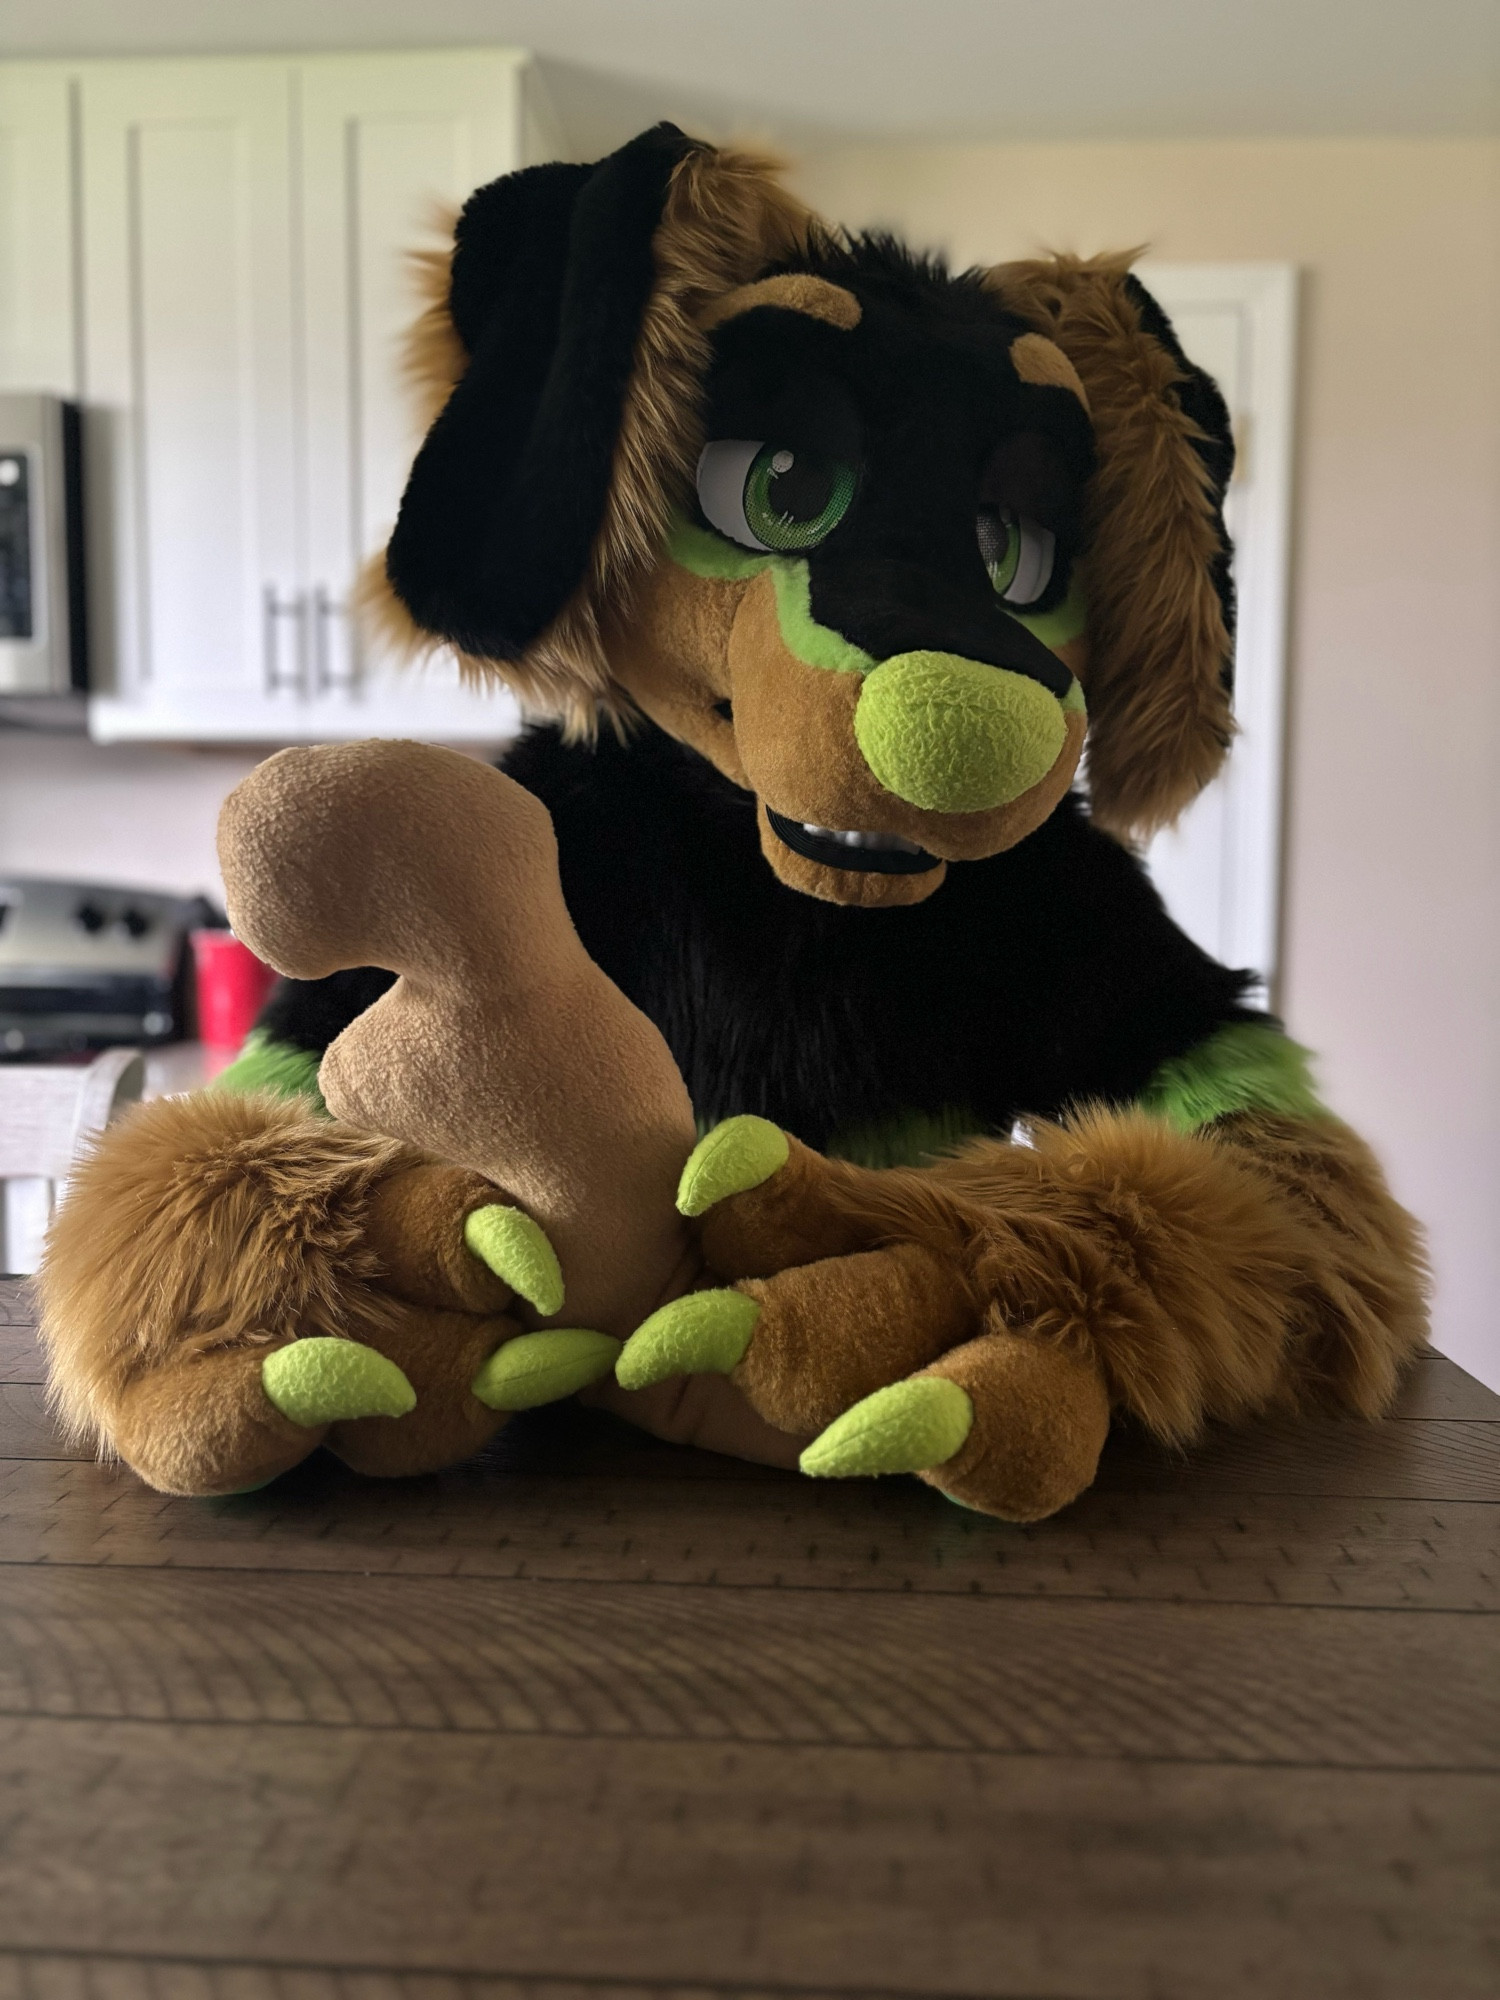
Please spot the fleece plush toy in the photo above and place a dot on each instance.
(847, 555)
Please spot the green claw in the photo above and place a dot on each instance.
(543, 1367)
(516, 1250)
(908, 1427)
(735, 1157)
(705, 1333)
(324, 1381)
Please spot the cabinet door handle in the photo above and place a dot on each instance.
(274, 609)
(325, 680)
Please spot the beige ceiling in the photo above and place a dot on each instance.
(932, 69)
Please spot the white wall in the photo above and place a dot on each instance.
(1391, 953)
(127, 813)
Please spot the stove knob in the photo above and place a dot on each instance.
(135, 923)
(89, 917)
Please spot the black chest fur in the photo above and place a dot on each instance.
(1043, 976)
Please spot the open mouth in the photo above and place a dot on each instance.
(877, 853)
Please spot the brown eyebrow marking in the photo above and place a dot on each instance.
(1042, 362)
(793, 291)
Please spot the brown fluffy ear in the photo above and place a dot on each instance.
(1160, 601)
(725, 218)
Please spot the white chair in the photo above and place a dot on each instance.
(48, 1115)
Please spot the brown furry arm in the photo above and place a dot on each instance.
(1259, 1263)
(204, 1233)
(977, 1321)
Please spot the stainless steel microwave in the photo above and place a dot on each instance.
(42, 630)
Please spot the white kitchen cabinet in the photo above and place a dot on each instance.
(390, 146)
(191, 368)
(37, 321)
(245, 229)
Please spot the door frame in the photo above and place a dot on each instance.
(1263, 410)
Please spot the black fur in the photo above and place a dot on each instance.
(552, 270)
(1041, 977)
(921, 399)
(308, 1013)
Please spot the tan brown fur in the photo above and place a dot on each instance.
(501, 1047)
(432, 360)
(792, 291)
(1261, 1264)
(1041, 1417)
(1360, 1310)
(1159, 712)
(691, 640)
(1215, 1275)
(1039, 360)
(222, 1223)
(206, 1232)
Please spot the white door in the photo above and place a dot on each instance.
(36, 230)
(1219, 867)
(391, 145)
(190, 369)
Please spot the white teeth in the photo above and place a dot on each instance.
(876, 843)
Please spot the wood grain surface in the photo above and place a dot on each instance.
(597, 1717)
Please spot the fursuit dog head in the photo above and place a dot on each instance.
(883, 543)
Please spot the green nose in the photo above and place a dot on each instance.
(953, 735)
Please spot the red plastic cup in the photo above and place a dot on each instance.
(232, 983)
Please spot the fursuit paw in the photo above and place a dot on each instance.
(234, 1281)
(861, 1310)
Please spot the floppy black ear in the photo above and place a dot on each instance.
(552, 271)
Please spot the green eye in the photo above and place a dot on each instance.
(770, 497)
(1018, 554)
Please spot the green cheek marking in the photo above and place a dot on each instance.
(706, 554)
(325, 1381)
(736, 1156)
(516, 1250)
(950, 735)
(814, 644)
(537, 1368)
(908, 1427)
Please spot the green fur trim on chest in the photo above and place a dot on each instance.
(265, 1064)
(1247, 1066)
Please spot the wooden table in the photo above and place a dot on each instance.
(598, 1717)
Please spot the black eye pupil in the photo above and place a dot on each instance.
(801, 485)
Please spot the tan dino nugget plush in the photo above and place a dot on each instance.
(312, 1282)
(502, 1047)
